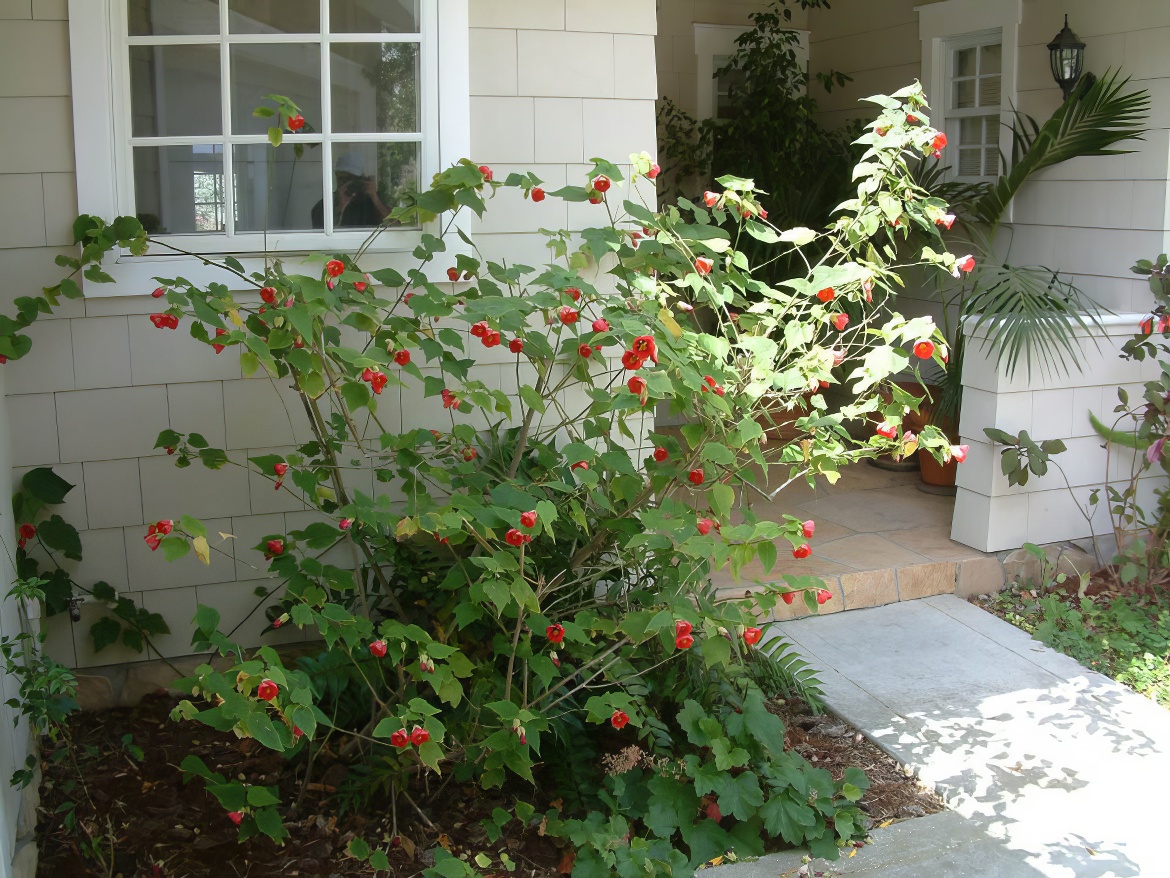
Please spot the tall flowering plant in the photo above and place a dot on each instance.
(530, 580)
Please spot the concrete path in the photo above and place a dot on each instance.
(1053, 770)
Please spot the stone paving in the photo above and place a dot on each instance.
(1052, 770)
(878, 540)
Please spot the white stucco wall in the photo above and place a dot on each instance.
(553, 84)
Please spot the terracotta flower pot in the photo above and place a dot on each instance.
(940, 475)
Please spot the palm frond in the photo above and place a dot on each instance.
(1032, 315)
(1088, 123)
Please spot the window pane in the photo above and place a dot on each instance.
(369, 180)
(290, 69)
(991, 134)
(274, 190)
(375, 87)
(991, 163)
(154, 17)
(179, 189)
(274, 16)
(989, 91)
(970, 162)
(174, 91)
(965, 93)
(971, 130)
(965, 62)
(373, 16)
(990, 59)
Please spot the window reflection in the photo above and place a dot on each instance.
(153, 17)
(370, 180)
(174, 91)
(375, 87)
(274, 189)
(179, 189)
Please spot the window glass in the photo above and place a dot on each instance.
(374, 16)
(274, 189)
(180, 189)
(370, 180)
(375, 87)
(174, 91)
(155, 17)
(965, 62)
(274, 16)
(290, 69)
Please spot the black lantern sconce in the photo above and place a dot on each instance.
(1066, 53)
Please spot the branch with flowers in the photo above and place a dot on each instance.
(532, 576)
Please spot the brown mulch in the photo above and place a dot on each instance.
(162, 828)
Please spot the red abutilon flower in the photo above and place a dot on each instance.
(276, 547)
(959, 452)
(966, 264)
(602, 183)
(402, 357)
(400, 739)
(268, 294)
(911, 119)
(537, 193)
(661, 454)
(939, 141)
(684, 641)
(824, 595)
(419, 736)
(881, 132)
(682, 627)
(452, 274)
(719, 391)
(947, 220)
(573, 293)
(378, 648)
(710, 380)
(646, 348)
(788, 597)
(889, 431)
(267, 690)
(528, 519)
(280, 468)
(426, 664)
(568, 315)
(470, 454)
(924, 350)
(377, 380)
(334, 267)
(601, 325)
(359, 285)
(555, 633)
(27, 531)
(480, 329)
(808, 528)
(751, 636)
(654, 171)
(492, 339)
(516, 538)
(710, 198)
(299, 343)
(488, 176)
(619, 719)
(450, 400)
(802, 551)
(555, 659)
(345, 523)
(158, 293)
(218, 347)
(585, 350)
(297, 733)
(704, 526)
(703, 265)
(165, 321)
(827, 294)
(580, 465)
(841, 321)
(631, 361)
(637, 385)
(696, 476)
(296, 123)
(595, 198)
(516, 345)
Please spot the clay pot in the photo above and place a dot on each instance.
(940, 475)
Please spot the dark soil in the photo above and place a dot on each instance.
(158, 827)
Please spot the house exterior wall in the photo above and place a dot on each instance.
(553, 84)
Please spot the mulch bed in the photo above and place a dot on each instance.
(161, 828)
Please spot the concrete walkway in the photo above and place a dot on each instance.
(1053, 770)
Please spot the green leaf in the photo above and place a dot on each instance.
(720, 497)
(46, 485)
(175, 548)
(261, 796)
(105, 632)
(59, 534)
(275, 135)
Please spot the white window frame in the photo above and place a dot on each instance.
(715, 40)
(955, 24)
(104, 158)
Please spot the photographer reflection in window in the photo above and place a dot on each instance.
(356, 202)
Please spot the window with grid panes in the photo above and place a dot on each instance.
(973, 106)
(195, 71)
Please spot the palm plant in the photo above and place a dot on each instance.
(1029, 314)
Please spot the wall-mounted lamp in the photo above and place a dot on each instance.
(1066, 53)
